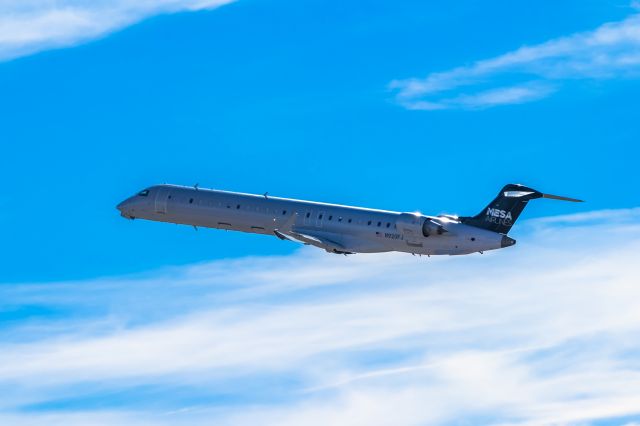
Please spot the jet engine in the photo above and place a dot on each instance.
(410, 224)
(432, 226)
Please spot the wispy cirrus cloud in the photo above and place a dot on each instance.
(529, 73)
(30, 26)
(539, 334)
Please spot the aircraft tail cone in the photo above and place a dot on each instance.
(507, 241)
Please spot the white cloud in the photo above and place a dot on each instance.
(487, 98)
(29, 26)
(531, 72)
(542, 333)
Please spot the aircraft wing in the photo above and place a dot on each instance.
(288, 231)
(310, 238)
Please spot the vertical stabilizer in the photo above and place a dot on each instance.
(500, 215)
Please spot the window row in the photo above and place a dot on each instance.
(340, 218)
(320, 216)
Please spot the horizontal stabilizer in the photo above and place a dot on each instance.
(557, 197)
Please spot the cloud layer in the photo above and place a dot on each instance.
(29, 26)
(543, 333)
(529, 73)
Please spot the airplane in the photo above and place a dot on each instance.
(336, 228)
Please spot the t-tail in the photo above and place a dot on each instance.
(500, 215)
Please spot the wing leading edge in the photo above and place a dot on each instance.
(306, 236)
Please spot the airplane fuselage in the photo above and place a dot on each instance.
(335, 228)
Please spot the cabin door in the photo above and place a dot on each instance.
(161, 200)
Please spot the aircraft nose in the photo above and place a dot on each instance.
(124, 208)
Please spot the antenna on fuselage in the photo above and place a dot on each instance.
(196, 186)
(266, 195)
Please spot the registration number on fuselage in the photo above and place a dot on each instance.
(393, 236)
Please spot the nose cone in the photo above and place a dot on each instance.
(125, 209)
(507, 241)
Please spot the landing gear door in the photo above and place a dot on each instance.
(410, 225)
(162, 195)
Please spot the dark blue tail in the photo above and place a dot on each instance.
(504, 210)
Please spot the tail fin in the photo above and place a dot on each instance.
(500, 215)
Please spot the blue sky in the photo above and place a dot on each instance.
(292, 98)
(405, 105)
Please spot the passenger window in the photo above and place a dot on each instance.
(388, 224)
(190, 200)
(284, 212)
(308, 214)
(369, 223)
(320, 216)
(340, 219)
(349, 220)
(238, 207)
(330, 217)
(379, 223)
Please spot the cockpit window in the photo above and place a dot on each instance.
(143, 193)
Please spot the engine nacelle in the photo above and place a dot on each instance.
(415, 226)
(410, 224)
(432, 227)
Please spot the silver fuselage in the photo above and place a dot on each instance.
(335, 228)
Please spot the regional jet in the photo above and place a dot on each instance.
(336, 228)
